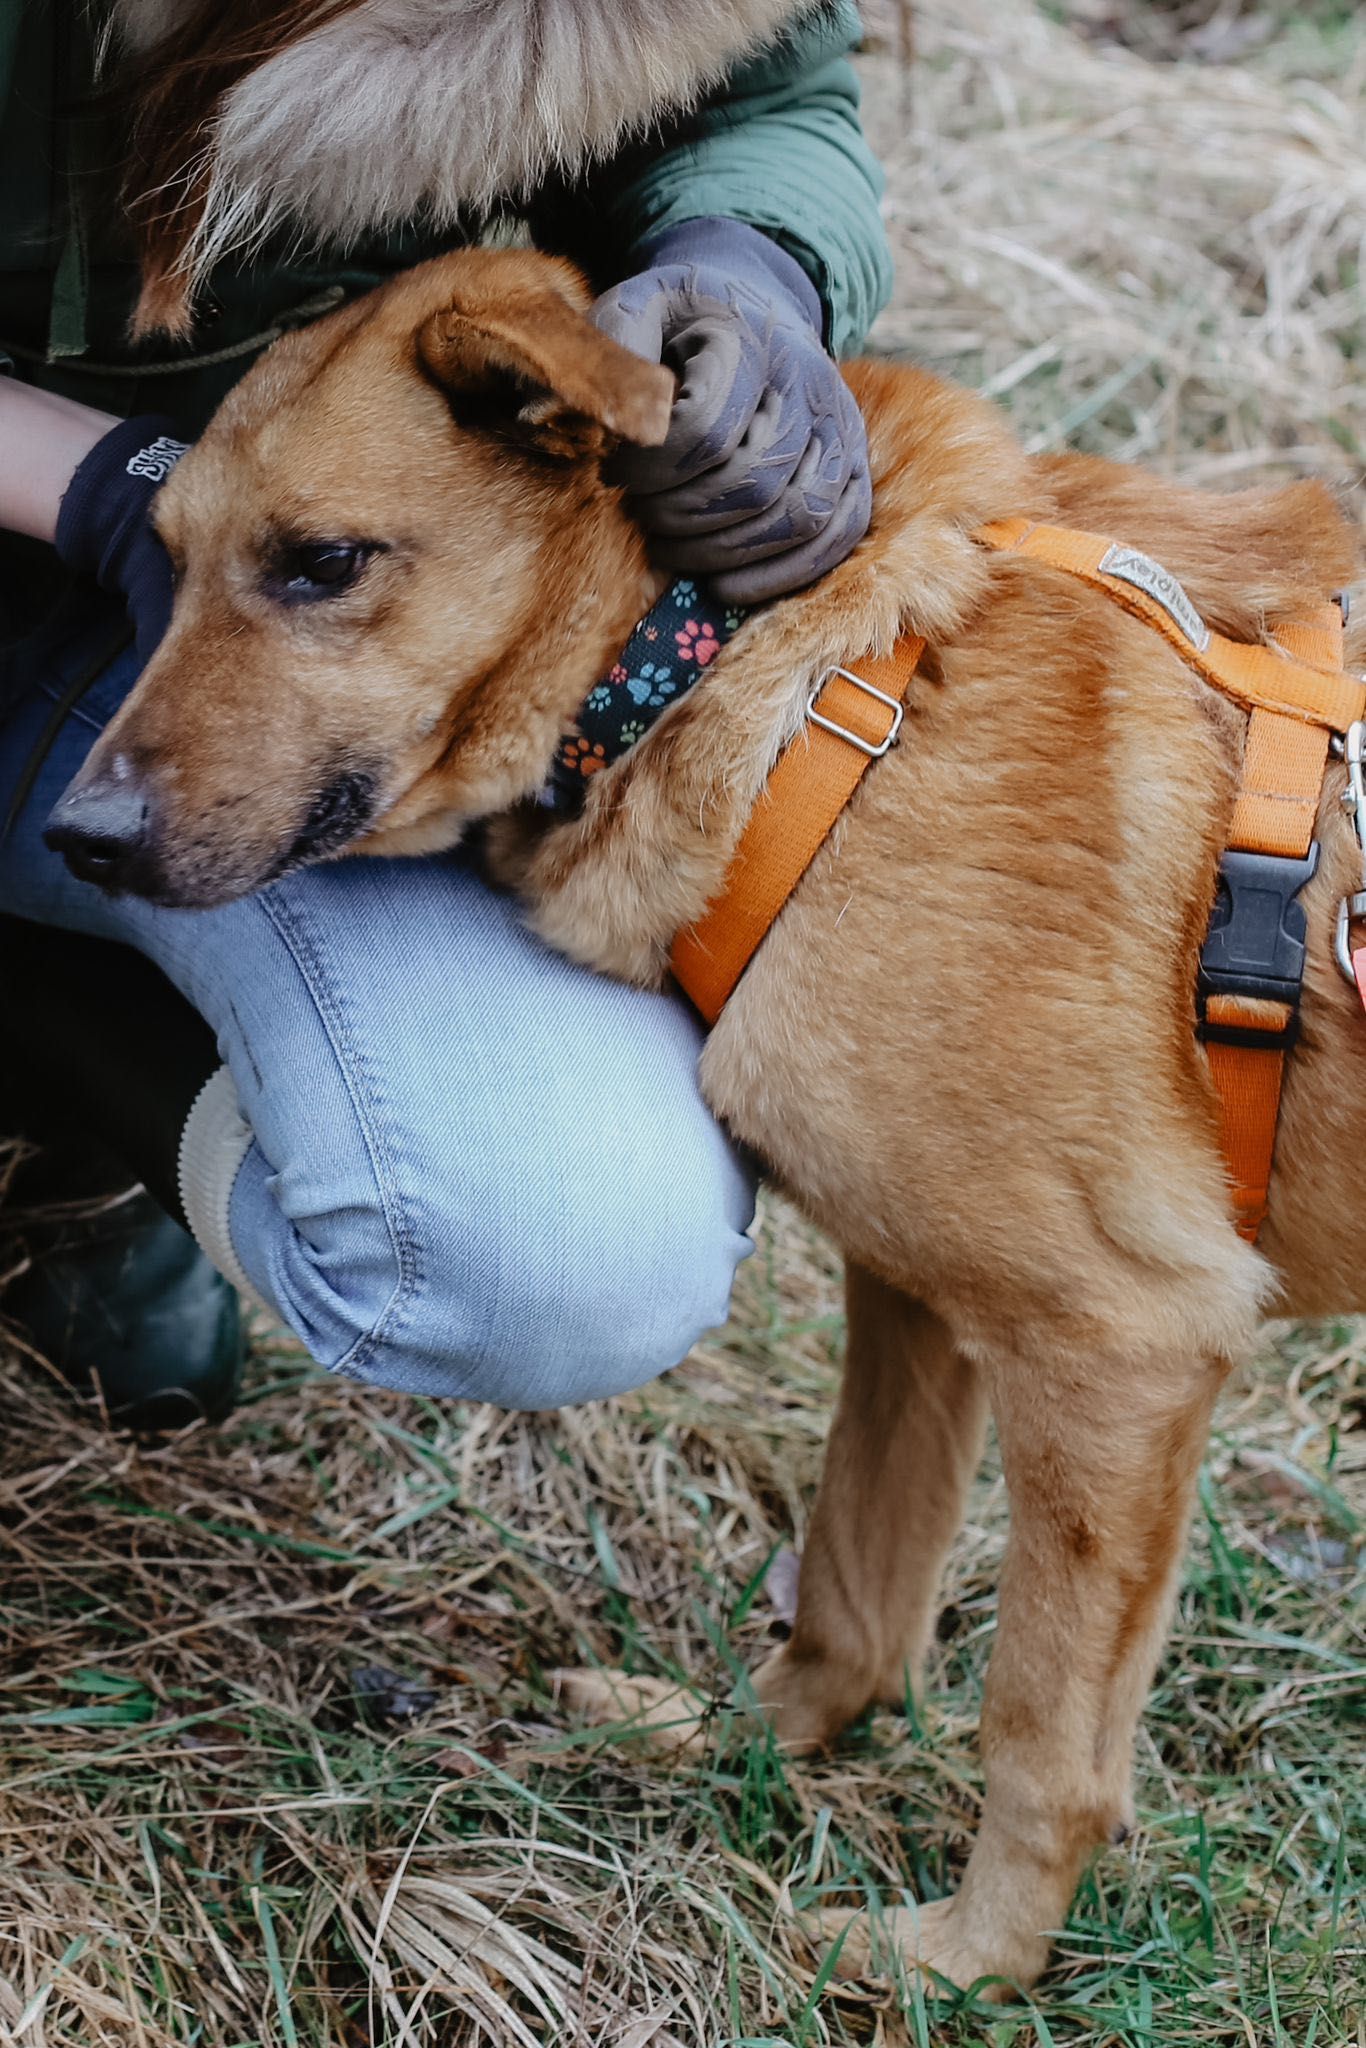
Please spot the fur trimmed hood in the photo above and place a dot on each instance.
(431, 108)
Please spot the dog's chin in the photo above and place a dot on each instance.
(435, 813)
(209, 883)
(202, 890)
(333, 830)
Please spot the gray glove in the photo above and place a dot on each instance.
(762, 483)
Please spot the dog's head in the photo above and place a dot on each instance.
(397, 565)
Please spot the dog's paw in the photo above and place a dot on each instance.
(808, 1702)
(931, 1938)
(663, 1716)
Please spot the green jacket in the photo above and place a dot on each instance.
(778, 145)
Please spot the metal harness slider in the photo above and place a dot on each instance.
(873, 749)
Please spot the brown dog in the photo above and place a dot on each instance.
(966, 1047)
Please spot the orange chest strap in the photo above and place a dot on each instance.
(1248, 1029)
(852, 720)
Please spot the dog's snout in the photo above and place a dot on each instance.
(102, 830)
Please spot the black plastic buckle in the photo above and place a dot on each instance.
(1256, 942)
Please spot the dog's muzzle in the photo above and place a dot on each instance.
(340, 811)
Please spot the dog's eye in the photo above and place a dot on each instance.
(329, 565)
(321, 568)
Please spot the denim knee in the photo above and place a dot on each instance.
(590, 1290)
(615, 1288)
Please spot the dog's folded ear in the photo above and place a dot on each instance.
(536, 367)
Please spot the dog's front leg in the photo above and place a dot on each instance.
(602, 888)
(1100, 1461)
(903, 1448)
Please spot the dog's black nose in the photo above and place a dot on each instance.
(101, 830)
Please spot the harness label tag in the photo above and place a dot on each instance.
(1162, 587)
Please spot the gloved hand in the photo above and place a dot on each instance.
(103, 528)
(762, 483)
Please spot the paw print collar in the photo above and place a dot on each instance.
(666, 653)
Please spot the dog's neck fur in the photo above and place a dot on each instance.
(434, 109)
(683, 796)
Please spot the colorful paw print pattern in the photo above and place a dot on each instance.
(654, 685)
(697, 641)
(585, 757)
(669, 649)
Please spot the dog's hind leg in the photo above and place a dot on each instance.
(1100, 1458)
(903, 1448)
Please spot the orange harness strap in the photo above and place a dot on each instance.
(1313, 690)
(1276, 811)
(851, 722)
(1296, 695)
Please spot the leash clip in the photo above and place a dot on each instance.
(1351, 908)
(873, 749)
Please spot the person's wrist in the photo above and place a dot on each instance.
(44, 439)
(740, 250)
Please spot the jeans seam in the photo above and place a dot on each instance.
(357, 1074)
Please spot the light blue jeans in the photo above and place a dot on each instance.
(476, 1169)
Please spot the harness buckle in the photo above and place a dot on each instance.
(1255, 947)
(872, 749)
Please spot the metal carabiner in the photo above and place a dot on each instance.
(1349, 910)
(1354, 800)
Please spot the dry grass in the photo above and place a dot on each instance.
(207, 1839)
(1158, 261)
(212, 1831)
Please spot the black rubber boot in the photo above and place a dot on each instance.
(100, 1060)
(120, 1300)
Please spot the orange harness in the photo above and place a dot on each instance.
(1251, 969)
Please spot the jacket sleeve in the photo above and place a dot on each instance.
(778, 145)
